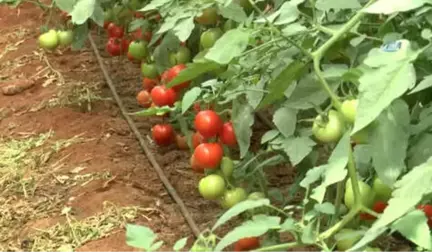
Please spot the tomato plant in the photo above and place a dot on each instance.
(338, 92)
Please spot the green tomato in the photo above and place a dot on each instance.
(209, 37)
(229, 25)
(49, 40)
(234, 196)
(383, 192)
(346, 238)
(149, 70)
(182, 56)
(367, 195)
(349, 110)
(138, 49)
(328, 132)
(65, 37)
(212, 186)
(256, 196)
(227, 167)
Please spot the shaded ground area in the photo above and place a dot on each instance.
(71, 172)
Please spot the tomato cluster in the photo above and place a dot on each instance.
(51, 39)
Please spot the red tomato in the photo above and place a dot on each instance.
(144, 99)
(113, 47)
(208, 155)
(197, 107)
(106, 24)
(246, 244)
(171, 73)
(163, 96)
(181, 142)
(147, 36)
(115, 31)
(197, 139)
(208, 123)
(427, 209)
(138, 14)
(148, 84)
(378, 207)
(195, 166)
(137, 34)
(162, 134)
(227, 134)
(125, 45)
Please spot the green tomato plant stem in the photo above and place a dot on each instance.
(338, 200)
(319, 53)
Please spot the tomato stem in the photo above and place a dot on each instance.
(279, 247)
(338, 200)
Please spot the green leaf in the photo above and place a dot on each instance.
(278, 86)
(379, 87)
(66, 5)
(309, 92)
(230, 45)
(387, 7)
(308, 236)
(234, 12)
(297, 148)
(269, 135)
(313, 175)
(285, 120)
(192, 71)
(80, 36)
(424, 84)
(389, 142)
(407, 194)
(156, 246)
(138, 23)
(155, 4)
(421, 150)
(415, 228)
(183, 28)
(82, 11)
(154, 111)
(288, 14)
(293, 28)
(238, 209)
(258, 226)
(288, 225)
(139, 236)
(98, 15)
(180, 244)
(326, 5)
(325, 208)
(335, 170)
(189, 98)
(254, 97)
(243, 119)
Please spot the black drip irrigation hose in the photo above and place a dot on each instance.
(173, 193)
